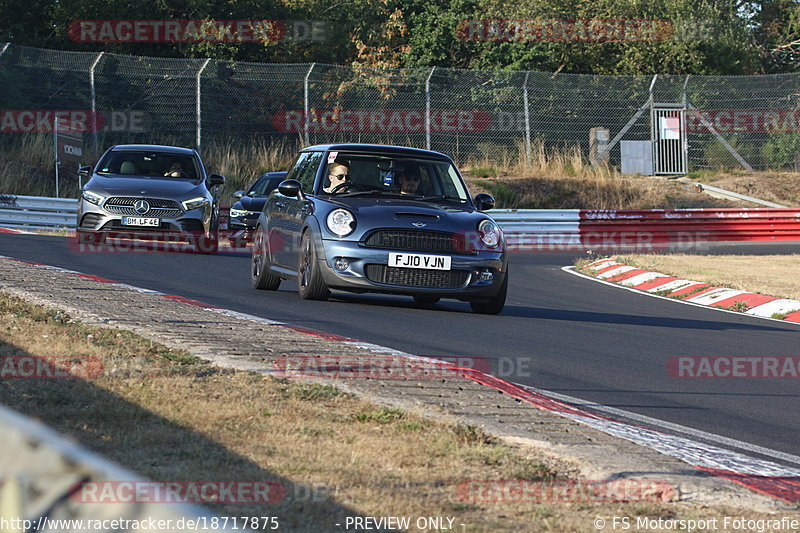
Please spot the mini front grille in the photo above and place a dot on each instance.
(123, 205)
(418, 241)
(417, 277)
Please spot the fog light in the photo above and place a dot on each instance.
(341, 264)
(487, 275)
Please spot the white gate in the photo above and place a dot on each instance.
(668, 135)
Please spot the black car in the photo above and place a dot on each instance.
(150, 191)
(375, 218)
(248, 206)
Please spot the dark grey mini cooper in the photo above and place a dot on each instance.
(388, 219)
(150, 191)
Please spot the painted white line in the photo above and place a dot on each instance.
(615, 271)
(571, 270)
(670, 426)
(781, 306)
(641, 278)
(714, 296)
(673, 286)
(597, 265)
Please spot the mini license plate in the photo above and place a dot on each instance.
(430, 262)
(139, 221)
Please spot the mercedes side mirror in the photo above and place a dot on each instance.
(216, 179)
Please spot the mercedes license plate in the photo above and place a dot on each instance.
(140, 221)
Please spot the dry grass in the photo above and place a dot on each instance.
(241, 163)
(774, 186)
(27, 167)
(563, 179)
(774, 275)
(169, 416)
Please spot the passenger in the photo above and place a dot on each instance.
(408, 180)
(338, 173)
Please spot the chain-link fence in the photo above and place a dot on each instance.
(471, 115)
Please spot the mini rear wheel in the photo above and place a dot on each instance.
(260, 277)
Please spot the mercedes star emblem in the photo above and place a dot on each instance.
(141, 206)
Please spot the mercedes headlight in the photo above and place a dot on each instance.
(194, 203)
(489, 233)
(238, 212)
(341, 222)
(92, 197)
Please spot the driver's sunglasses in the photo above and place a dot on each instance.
(340, 176)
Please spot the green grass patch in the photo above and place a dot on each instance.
(484, 172)
(381, 416)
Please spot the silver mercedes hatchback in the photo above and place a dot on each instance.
(150, 192)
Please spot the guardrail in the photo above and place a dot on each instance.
(534, 227)
(40, 470)
(37, 212)
(525, 227)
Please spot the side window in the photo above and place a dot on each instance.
(308, 173)
(297, 169)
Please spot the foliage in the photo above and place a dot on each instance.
(705, 37)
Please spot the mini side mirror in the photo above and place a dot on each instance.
(238, 194)
(290, 188)
(484, 202)
(86, 171)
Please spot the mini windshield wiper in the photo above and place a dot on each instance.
(439, 197)
(366, 193)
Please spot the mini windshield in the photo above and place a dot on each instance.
(350, 174)
(150, 164)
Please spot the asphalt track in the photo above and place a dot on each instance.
(558, 332)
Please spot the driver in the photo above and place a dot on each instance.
(338, 173)
(175, 170)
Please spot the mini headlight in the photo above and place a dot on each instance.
(238, 212)
(194, 203)
(490, 233)
(341, 222)
(92, 197)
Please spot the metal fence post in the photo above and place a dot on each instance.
(55, 151)
(306, 118)
(94, 99)
(428, 110)
(199, 109)
(527, 119)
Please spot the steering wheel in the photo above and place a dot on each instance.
(182, 174)
(341, 186)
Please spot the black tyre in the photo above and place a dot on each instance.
(426, 300)
(260, 277)
(207, 245)
(495, 305)
(309, 278)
